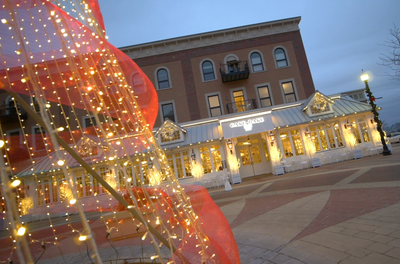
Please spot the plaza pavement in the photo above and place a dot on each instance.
(346, 212)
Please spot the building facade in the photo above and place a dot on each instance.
(233, 103)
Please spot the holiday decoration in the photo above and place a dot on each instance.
(79, 146)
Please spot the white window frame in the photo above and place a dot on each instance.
(156, 78)
(292, 145)
(202, 73)
(262, 61)
(160, 104)
(286, 54)
(208, 104)
(294, 89)
(269, 91)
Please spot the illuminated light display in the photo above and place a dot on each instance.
(60, 71)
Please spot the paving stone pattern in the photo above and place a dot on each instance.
(346, 212)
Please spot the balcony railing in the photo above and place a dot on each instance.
(242, 106)
(234, 71)
(9, 114)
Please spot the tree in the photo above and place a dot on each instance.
(392, 59)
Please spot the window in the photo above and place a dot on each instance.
(359, 129)
(211, 158)
(35, 105)
(214, 105)
(14, 139)
(167, 111)
(239, 102)
(280, 58)
(89, 121)
(163, 79)
(291, 143)
(288, 92)
(256, 62)
(47, 191)
(208, 70)
(40, 138)
(264, 96)
(327, 136)
(180, 164)
(10, 106)
(138, 83)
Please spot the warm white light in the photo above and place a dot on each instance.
(60, 129)
(2, 143)
(4, 21)
(364, 77)
(21, 231)
(60, 162)
(72, 201)
(15, 183)
(82, 238)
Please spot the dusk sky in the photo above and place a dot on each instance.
(340, 37)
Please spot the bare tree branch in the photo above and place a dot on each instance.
(392, 58)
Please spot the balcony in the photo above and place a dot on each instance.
(234, 71)
(242, 106)
(9, 114)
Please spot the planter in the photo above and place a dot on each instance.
(357, 154)
(279, 170)
(235, 178)
(316, 162)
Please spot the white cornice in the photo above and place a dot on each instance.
(212, 38)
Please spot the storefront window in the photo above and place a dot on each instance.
(364, 130)
(291, 143)
(287, 147)
(297, 143)
(54, 189)
(43, 191)
(211, 158)
(267, 158)
(315, 138)
(88, 182)
(179, 164)
(326, 136)
(79, 183)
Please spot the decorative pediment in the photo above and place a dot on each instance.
(169, 132)
(318, 104)
(87, 147)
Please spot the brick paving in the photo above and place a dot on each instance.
(346, 212)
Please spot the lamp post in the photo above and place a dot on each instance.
(374, 111)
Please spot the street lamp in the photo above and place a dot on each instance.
(371, 98)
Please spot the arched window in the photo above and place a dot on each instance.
(208, 70)
(280, 57)
(256, 62)
(163, 79)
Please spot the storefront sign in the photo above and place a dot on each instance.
(246, 125)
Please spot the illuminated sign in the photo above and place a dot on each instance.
(247, 124)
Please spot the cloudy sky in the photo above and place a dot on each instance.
(341, 37)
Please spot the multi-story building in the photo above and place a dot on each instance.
(242, 96)
(227, 71)
(232, 91)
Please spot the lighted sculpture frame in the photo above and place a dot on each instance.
(65, 62)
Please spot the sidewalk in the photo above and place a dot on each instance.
(346, 212)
